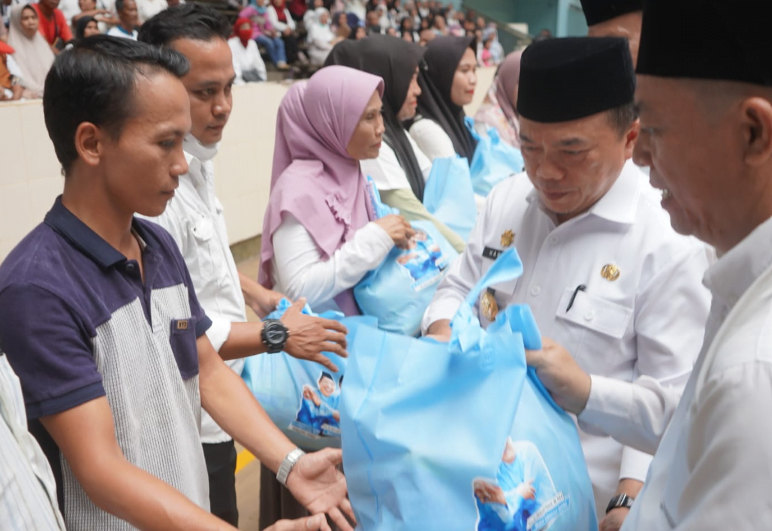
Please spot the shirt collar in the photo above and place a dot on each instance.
(619, 204)
(731, 276)
(192, 146)
(80, 236)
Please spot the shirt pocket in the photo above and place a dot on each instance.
(202, 230)
(601, 324)
(182, 339)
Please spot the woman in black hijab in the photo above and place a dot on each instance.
(399, 172)
(447, 83)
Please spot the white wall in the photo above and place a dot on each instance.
(30, 177)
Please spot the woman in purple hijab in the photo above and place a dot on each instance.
(319, 235)
(499, 109)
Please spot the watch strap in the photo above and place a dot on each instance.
(620, 501)
(288, 464)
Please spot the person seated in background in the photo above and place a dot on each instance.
(426, 36)
(10, 75)
(264, 34)
(490, 42)
(440, 26)
(447, 84)
(53, 25)
(247, 63)
(321, 38)
(310, 15)
(33, 55)
(358, 8)
(86, 27)
(282, 21)
(129, 20)
(498, 109)
(407, 29)
(358, 34)
(340, 25)
(373, 24)
(89, 8)
(401, 168)
(320, 235)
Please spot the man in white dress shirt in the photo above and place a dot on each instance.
(604, 273)
(195, 219)
(706, 116)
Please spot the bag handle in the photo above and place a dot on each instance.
(380, 209)
(507, 267)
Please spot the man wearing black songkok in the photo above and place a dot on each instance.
(705, 100)
(615, 18)
(597, 250)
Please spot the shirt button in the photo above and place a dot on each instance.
(535, 291)
(590, 315)
(130, 268)
(554, 240)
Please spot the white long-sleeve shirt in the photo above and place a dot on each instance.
(273, 18)
(299, 269)
(27, 486)
(432, 139)
(386, 171)
(246, 59)
(714, 457)
(648, 322)
(194, 217)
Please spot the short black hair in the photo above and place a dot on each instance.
(119, 5)
(185, 21)
(326, 375)
(623, 117)
(95, 82)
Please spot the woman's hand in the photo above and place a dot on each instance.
(398, 229)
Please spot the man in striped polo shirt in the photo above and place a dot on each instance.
(99, 319)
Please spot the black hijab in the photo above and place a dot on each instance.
(436, 79)
(80, 26)
(394, 60)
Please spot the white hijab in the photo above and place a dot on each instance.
(33, 55)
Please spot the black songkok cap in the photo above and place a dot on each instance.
(597, 11)
(707, 39)
(568, 79)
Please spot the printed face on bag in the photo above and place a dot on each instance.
(573, 164)
(326, 385)
(209, 83)
(366, 141)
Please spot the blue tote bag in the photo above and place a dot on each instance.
(422, 420)
(542, 480)
(449, 195)
(398, 291)
(493, 161)
(301, 397)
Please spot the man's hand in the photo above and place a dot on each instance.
(614, 519)
(561, 375)
(526, 490)
(312, 523)
(440, 331)
(310, 336)
(316, 482)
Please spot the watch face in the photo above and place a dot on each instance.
(275, 334)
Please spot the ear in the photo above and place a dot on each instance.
(756, 123)
(89, 142)
(631, 138)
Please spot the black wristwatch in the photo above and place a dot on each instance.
(274, 335)
(620, 500)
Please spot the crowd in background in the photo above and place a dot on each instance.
(292, 35)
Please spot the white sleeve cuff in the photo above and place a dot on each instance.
(635, 464)
(443, 307)
(218, 333)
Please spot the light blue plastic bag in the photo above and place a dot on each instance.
(543, 458)
(398, 292)
(493, 161)
(421, 420)
(301, 397)
(449, 195)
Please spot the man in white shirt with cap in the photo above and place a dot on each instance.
(604, 273)
(706, 115)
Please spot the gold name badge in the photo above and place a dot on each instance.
(610, 272)
(182, 325)
(507, 238)
(488, 306)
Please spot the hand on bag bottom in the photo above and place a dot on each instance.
(316, 482)
(561, 375)
(312, 523)
(398, 229)
(310, 336)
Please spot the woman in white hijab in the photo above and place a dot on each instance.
(321, 38)
(33, 54)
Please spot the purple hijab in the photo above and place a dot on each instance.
(314, 178)
(506, 81)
